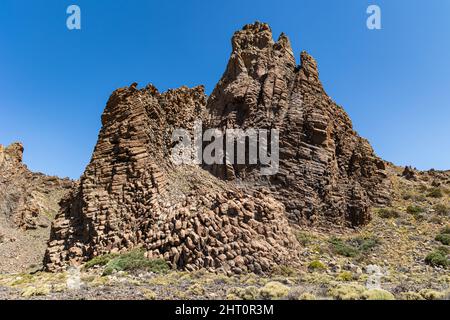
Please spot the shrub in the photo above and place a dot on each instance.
(274, 291)
(378, 294)
(442, 209)
(435, 193)
(100, 260)
(446, 230)
(316, 265)
(247, 293)
(388, 213)
(414, 210)
(342, 248)
(135, 260)
(345, 276)
(303, 238)
(429, 294)
(284, 271)
(437, 258)
(347, 292)
(353, 247)
(307, 296)
(443, 238)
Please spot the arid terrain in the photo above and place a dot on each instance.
(335, 221)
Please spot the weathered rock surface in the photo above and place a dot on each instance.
(27, 199)
(28, 203)
(132, 195)
(328, 174)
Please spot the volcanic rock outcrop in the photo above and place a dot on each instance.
(328, 174)
(132, 195)
(27, 200)
(234, 220)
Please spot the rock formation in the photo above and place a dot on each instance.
(132, 195)
(27, 199)
(328, 174)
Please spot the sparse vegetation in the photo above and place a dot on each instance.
(442, 209)
(274, 290)
(303, 238)
(444, 236)
(438, 258)
(100, 260)
(316, 265)
(353, 247)
(387, 213)
(378, 294)
(435, 193)
(415, 210)
(133, 260)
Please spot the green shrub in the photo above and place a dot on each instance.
(353, 247)
(378, 294)
(316, 265)
(303, 238)
(134, 260)
(442, 209)
(446, 230)
(388, 213)
(437, 258)
(100, 260)
(345, 276)
(274, 291)
(443, 238)
(414, 210)
(435, 193)
(342, 248)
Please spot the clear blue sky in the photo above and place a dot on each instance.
(54, 83)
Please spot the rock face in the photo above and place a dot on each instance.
(27, 199)
(28, 203)
(234, 220)
(328, 174)
(132, 195)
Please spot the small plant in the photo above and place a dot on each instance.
(284, 271)
(444, 236)
(378, 294)
(303, 238)
(388, 213)
(342, 248)
(345, 276)
(274, 291)
(435, 193)
(414, 210)
(316, 265)
(100, 260)
(353, 247)
(438, 258)
(442, 209)
(133, 260)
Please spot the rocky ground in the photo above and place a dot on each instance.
(384, 260)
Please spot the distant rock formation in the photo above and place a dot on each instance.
(132, 195)
(27, 200)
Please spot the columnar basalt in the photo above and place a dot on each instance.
(132, 195)
(328, 174)
(234, 220)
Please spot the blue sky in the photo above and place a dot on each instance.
(54, 83)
